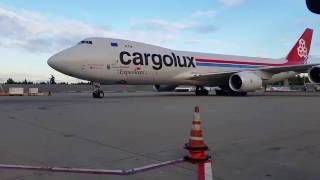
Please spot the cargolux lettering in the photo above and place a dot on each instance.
(157, 61)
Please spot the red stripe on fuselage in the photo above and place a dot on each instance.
(244, 62)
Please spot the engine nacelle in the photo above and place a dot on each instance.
(245, 82)
(164, 88)
(314, 74)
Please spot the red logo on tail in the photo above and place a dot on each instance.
(302, 49)
(300, 52)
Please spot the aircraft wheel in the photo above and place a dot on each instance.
(234, 93)
(98, 94)
(230, 93)
(201, 91)
(243, 94)
(94, 94)
(221, 93)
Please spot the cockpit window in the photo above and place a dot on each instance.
(114, 44)
(85, 42)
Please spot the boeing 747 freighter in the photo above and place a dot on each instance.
(115, 61)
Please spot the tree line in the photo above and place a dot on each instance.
(52, 81)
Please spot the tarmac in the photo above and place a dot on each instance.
(262, 136)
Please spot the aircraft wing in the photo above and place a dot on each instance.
(215, 78)
(295, 68)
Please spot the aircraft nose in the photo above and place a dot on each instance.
(52, 62)
(60, 61)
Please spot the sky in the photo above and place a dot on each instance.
(32, 31)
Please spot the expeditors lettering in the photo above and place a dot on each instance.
(156, 60)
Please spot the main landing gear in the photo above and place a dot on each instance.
(229, 92)
(97, 93)
(201, 91)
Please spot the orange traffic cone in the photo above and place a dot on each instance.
(196, 146)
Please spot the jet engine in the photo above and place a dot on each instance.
(245, 82)
(164, 88)
(314, 74)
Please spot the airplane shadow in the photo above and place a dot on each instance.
(191, 95)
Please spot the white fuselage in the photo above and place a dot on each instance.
(114, 61)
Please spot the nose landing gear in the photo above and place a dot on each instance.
(97, 93)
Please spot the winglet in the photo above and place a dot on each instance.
(300, 52)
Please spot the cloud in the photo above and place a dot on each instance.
(159, 25)
(204, 29)
(38, 33)
(192, 41)
(151, 37)
(204, 14)
(231, 3)
(171, 26)
(211, 42)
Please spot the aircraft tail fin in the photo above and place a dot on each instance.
(300, 52)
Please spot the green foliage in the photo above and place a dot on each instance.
(10, 81)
